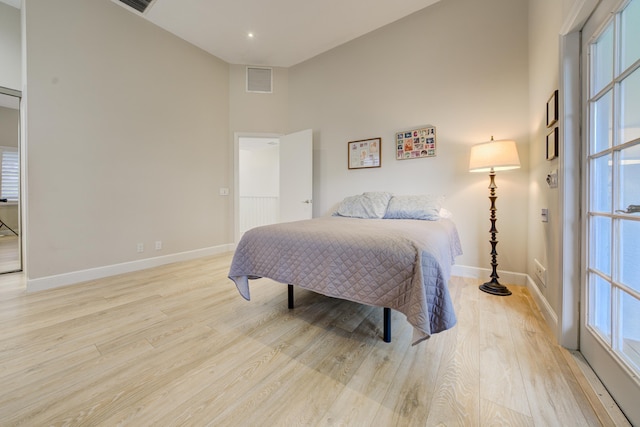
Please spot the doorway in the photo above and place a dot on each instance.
(10, 236)
(610, 326)
(273, 179)
(258, 181)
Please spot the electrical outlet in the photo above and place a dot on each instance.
(158, 245)
(140, 247)
(540, 273)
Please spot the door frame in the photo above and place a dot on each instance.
(22, 172)
(571, 189)
(236, 175)
(570, 172)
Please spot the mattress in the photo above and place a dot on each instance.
(402, 264)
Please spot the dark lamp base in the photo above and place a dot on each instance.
(495, 288)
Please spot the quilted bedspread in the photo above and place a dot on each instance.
(401, 264)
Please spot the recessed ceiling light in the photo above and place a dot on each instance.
(250, 35)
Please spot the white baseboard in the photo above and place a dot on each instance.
(52, 282)
(59, 280)
(543, 305)
(507, 277)
(519, 279)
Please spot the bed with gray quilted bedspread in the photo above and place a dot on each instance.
(401, 264)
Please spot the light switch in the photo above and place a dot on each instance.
(544, 214)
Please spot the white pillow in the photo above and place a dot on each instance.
(366, 205)
(444, 213)
(414, 207)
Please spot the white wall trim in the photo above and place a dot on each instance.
(66, 279)
(570, 188)
(543, 305)
(513, 278)
(519, 279)
(577, 15)
(74, 277)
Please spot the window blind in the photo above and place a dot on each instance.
(10, 174)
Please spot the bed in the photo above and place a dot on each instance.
(374, 258)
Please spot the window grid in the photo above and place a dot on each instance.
(609, 332)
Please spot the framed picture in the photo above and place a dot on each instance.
(552, 109)
(552, 144)
(364, 153)
(416, 143)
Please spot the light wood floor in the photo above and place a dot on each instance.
(177, 345)
(9, 253)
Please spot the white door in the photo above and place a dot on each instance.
(296, 176)
(610, 324)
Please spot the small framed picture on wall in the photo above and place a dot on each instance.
(552, 109)
(552, 144)
(364, 153)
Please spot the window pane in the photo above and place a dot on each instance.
(630, 115)
(9, 174)
(601, 184)
(601, 123)
(630, 253)
(602, 61)
(600, 313)
(629, 177)
(600, 244)
(631, 328)
(630, 34)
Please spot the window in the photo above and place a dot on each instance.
(613, 190)
(10, 174)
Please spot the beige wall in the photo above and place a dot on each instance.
(163, 114)
(258, 112)
(127, 139)
(460, 65)
(10, 47)
(9, 122)
(545, 17)
(554, 53)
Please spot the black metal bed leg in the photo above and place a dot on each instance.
(290, 295)
(387, 325)
(387, 315)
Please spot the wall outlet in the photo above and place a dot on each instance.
(140, 247)
(540, 273)
(158, 245)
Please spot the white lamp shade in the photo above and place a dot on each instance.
(496, 155)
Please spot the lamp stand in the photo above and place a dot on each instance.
(493, 286)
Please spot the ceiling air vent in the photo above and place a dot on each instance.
(259, 80)
(139, 5)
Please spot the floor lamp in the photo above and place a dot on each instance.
(490, 157)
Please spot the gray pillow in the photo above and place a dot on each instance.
(366, 205)
(414, 207)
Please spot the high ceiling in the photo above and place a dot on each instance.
(285, 32)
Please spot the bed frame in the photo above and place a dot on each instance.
(386, 335)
